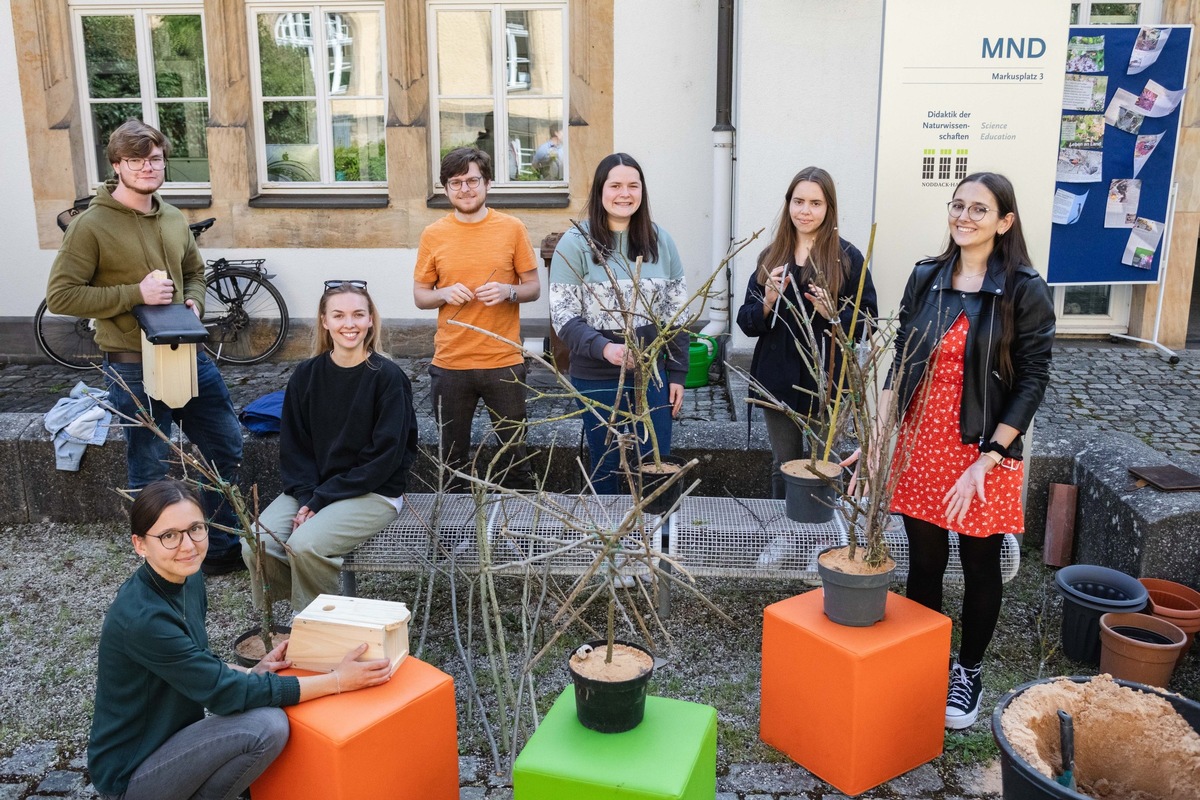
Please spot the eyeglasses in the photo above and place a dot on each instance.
(975, 211)
(172, 539)
(138, 164)
(457, 184)
(331, 285)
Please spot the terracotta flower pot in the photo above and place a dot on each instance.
(1177, 604)
(1139, 647)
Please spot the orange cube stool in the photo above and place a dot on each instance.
(398, 740)
(854, 706)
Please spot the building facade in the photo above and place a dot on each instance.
(312, 131)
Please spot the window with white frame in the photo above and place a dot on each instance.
(1142, 12)
(319, 92)
(144, 62)
(498, 72)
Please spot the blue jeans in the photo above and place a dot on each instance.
(605, 458)
(213, 759)
(207, 420)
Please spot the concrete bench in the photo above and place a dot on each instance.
(706, 537)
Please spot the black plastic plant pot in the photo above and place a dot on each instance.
(611, 706)
(253, 633)
(1090, 591)
(652, 479)
(1022, 782)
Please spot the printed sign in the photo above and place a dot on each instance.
(962, 93)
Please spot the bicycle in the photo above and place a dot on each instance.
(246, 316)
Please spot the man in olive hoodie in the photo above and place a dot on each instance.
(110, 261)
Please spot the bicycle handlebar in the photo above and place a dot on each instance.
(64, 218)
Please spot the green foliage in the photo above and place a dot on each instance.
(178, 43)
(285, 68)
(347, 163)
(973, 746)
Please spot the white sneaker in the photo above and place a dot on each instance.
(962, 701)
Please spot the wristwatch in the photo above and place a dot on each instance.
(512, 294)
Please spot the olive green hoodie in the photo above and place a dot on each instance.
(106, 253)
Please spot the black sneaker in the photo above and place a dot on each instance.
(223, 564)
(962, 701)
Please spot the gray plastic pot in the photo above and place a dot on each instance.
(1088, 592)
(809, 499)
(857, 601)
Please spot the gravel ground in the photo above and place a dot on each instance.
(57, 580)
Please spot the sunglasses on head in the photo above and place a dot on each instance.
(331, 285)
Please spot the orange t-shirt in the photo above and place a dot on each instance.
(474, 253)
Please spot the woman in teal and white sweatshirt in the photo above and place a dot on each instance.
(598, 292)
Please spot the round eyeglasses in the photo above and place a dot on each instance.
(975, 211)
(171, 539)
(138, 164)
(456, 184)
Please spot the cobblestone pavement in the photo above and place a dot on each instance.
(1111, 387)
(34, 388)
(1126, 389)
(36, 772)
(1107, 387)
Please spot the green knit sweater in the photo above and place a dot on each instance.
(156, 676)
(106, 253)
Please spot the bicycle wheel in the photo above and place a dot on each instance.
(246, 317)
(70, 341)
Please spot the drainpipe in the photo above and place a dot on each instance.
(722, 208)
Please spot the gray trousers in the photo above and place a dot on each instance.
(787, 444)
(213, 759)
(317, 546)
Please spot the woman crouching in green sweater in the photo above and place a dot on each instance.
(347, 438)
(150, 739)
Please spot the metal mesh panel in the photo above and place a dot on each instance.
(708, 536)
(725, 536)
(519, 533)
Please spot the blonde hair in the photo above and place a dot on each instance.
(323, 342)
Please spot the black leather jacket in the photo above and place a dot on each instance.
(931, 305)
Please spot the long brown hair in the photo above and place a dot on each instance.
(643, 238)
(323, 342)
(827, 265)
(1009, 250)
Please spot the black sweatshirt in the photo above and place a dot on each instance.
(346, 432)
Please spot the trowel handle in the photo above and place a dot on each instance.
(1066, 733)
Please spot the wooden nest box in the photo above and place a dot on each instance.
(333, 625)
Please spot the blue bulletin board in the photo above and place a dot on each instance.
(1087, 249)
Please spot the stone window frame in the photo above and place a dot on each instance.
(504, 192)
(308, 194)
(79, 9)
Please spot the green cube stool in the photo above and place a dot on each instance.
(672, 754)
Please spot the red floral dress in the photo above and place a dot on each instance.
(939, 457)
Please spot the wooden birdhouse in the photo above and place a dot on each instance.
(169, 372)
(170, 334)
(333, 625)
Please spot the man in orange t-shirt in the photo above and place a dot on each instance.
(476, 266)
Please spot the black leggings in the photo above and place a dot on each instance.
(983, 588)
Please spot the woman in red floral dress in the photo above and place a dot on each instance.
(976, 329)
